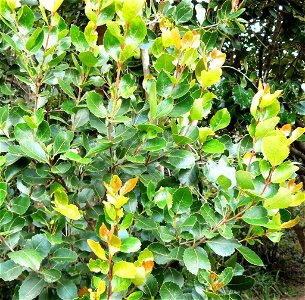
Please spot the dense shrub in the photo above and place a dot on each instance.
(118, 178)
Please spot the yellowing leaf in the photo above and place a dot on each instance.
(275, 149)
(210, 77)
(140, 276)
(131, 8)
(217, 59)
(129, 186)
(60, 196)
(282, 199)
(171, 37)
(68, 210)
(290, 223)
(114, 244)
(13, 4)
(116, 183)
(268, 99)
(191, 39)
(124, 269)
(97, 249)
(255, 102)
(297, 199)
(51, 5)
(296, 134)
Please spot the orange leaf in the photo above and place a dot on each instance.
(148, 265)
(286, 129)
(116, 183)
(83, 291)
(128, 186)
(103, 231)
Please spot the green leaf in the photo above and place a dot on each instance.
(145, 223)
(20, 204)
(220, 120)
(64, 255)
(35, 41)
(196, 112)
(136, 31)
(155, 144)
(9, 270)
(240, 283)
(130, 244)
(222, 246)
(170, 291)
(3, 192)
(282, 199)
(164, 85)
(66, 289)
(39, 243)
(265, 127)
(184, 11)
(150, 287)
(95, 104)
(131, 8)
(25, 19)
(165, 62)
(31, 287)
(195, 259)
(124, 269)
(112, 45)
(27, 258)
(78, 39)
(244, 180)
(256, 215)
(88, 59)
(51, 275)
(226, 276)
(181, 159)
(250, 256)
(283, 172)
(182, 200)
(66, 87)
(209, 215)
(213, 146)
(127, 86)
(275, 149)
(62, 142)
(34, 150)
(164, 108)
(91, 34)
(172, 275)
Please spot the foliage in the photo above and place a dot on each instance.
(79, 119)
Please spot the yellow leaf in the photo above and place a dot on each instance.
(124, 269)
(101, 287)
(290, 223)
(51, 5)
(129, 186)
(140, 276)
(255, 102)
(68, 210)
(97, 249)
(296, 134)
(210, 77)
(217, 59)
(120, 201)
(176, 37)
